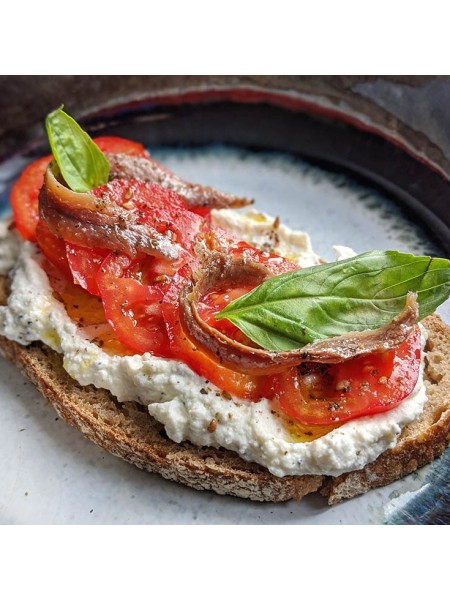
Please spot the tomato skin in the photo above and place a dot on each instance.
(203, 212)
(226, 291)
(52, 248)
(131, 290)
(141, 197)
(277, 265)
(214, 301)
(79, 264)
(367, 385)
(25, 195)
(152, 205)
(84, 264)
(155, 206)
(181, 347)
(132, 308)
(86, 311)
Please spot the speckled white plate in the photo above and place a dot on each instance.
(50, 474)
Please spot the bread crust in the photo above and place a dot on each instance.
(130, 432)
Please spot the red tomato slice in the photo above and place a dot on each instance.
(215, 300)
(152, 204)
(331, 394)
(118, 145)
(238, 384)
(52, 248)
(84, 264)
(277, 265)
(141, 197)
(133, 308)
(203, 212)
(244, 386)
(86, 311)
(160, 208)
(24, 197)
(78, 264)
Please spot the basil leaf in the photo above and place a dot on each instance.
(81, 162)
(356, 294)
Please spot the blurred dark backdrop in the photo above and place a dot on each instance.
(412, 110)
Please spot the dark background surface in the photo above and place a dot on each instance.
(390, 130)
(412, 109)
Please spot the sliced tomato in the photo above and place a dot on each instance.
(241, 385)
(158, 207)
(52, 248)
(86, 311)
(24, 197)
(132, 307)
(84, 264)
(78, 264)
(204, 212)
(181, 347)
(153, 205)
(227, 291)
(277, 265)
(214, 301)
(328, 394)
(239, 249)
(118, 145)
(141, 197)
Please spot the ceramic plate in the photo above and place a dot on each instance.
(50, 474)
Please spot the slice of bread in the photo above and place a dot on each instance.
(128, 431)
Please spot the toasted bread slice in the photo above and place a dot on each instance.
(128, 431)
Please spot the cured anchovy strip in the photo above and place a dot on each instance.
(124, 166)
(86, 220)
(247, 359)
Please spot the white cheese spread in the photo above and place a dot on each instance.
(267, 233)
(176, 396)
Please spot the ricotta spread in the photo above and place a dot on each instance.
(176, 396)
(268, 234)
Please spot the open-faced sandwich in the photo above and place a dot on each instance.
(213, 346)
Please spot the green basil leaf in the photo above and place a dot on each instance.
(81, 162)
(356, 294)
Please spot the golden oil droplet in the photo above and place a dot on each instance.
(306, 433)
